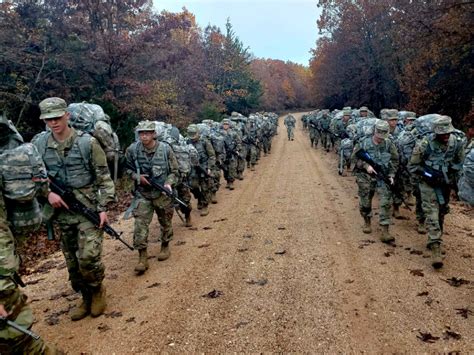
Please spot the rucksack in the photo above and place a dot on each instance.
(20, 169)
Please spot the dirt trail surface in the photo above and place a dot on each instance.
(289, 268)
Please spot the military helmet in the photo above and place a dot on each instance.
(145, 126)
(443, 125)
(381, 129)
(390, 114)
(193, 131)
(52, 107)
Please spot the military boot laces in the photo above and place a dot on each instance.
(164, 252)
(385, 237)
(142, 264)
(436, 259)
(367, 229)
(83, 309)
(98, 301)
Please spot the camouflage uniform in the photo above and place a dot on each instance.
(438, 163)
(12, 299)
(384, 154)
(159, 163)
(80, 164)
(314, 134)
(251, 141)
(290, 124)
(324, 121)
(200, 179)
(232, 147)
(9, 136)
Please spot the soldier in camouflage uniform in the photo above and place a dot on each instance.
(290, 124)
(251, 142)
(9, 136)
(382, 150)
(313, 126)
(201, 177)
(232, 147)
(267, 134)
(324, 121)
(151, 159)
(438, 159)
(339, 129)
(13, 305)
(77, 160)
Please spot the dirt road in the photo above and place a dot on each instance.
(291, 268)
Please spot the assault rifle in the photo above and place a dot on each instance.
(156, 185)
(437, 180)
(77, 206)
(380, 174)
(250, 141)
(6, 322)
(340, 169)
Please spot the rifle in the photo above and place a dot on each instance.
(365, 156)
(436, 180)
(77, 206)
(203, 171)
(156, 185)
(5, 321)
(251, 142)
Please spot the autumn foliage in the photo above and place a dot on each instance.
(136, 63)
(415, 55)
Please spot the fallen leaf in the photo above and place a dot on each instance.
(220, 220)
(427, 337)
(33, 282)
(156, 284)
(114, 314)
(207, 228)
(130, 320)
(142, 298)
(241, 250)
(280, 252)
(248, 236)
(416, 252)
(213, 294)
(417, 272)
(261, 282)
(456, 281)
(205, 245)
(387, 254)
(281, 228)
(449, 334)
(464, 312)
(103, 328)
(424, 293)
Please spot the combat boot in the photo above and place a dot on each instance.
(230, 185)
(436, 260)
(385, 237)
(187, 218)
(164, 252)
(421, 227)
(240, 176)
(252, 168)
(84, 308)
(204, 211)
(214, 198)
(98, 301)
(396, 212)
(367, 229)
(248, 164)
(142, 265)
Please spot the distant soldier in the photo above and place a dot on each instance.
(250, 139)
(232, 147)
(313, 126)
(150, 159)
(77, 161)
(290, 124)
(201, 178)
(438, 159)
(384, 153)
(324, 121)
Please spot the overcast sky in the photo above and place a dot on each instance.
(278, 29)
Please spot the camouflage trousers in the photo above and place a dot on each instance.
(326, 140)
(215, 182)
(420, 214)
(367, 188)
(266, 144)
(241, 160)
(290, 131)
(81, 244)
(143, 213)
(200, 187)
(404, 184)
(184, 194)
(314, 137)
(229, 168)
(11, 340)
(251, 155)
(434, 210)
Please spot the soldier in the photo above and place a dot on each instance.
(251, 141)
(313, 126)
(339, 129)
(382, 150)
(267, 135)
(438, 159)
(13, 305)
(363, 112)
(324, 120)
(290, 124)
(150, 159)
(77, 161)
(232, 147)
(391, 116)
(201, 177)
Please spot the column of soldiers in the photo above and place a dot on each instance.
(402, 158)
(71, 170)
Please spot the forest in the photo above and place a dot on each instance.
(415, 55)
(135, 63)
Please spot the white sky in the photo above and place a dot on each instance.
(277, 29)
